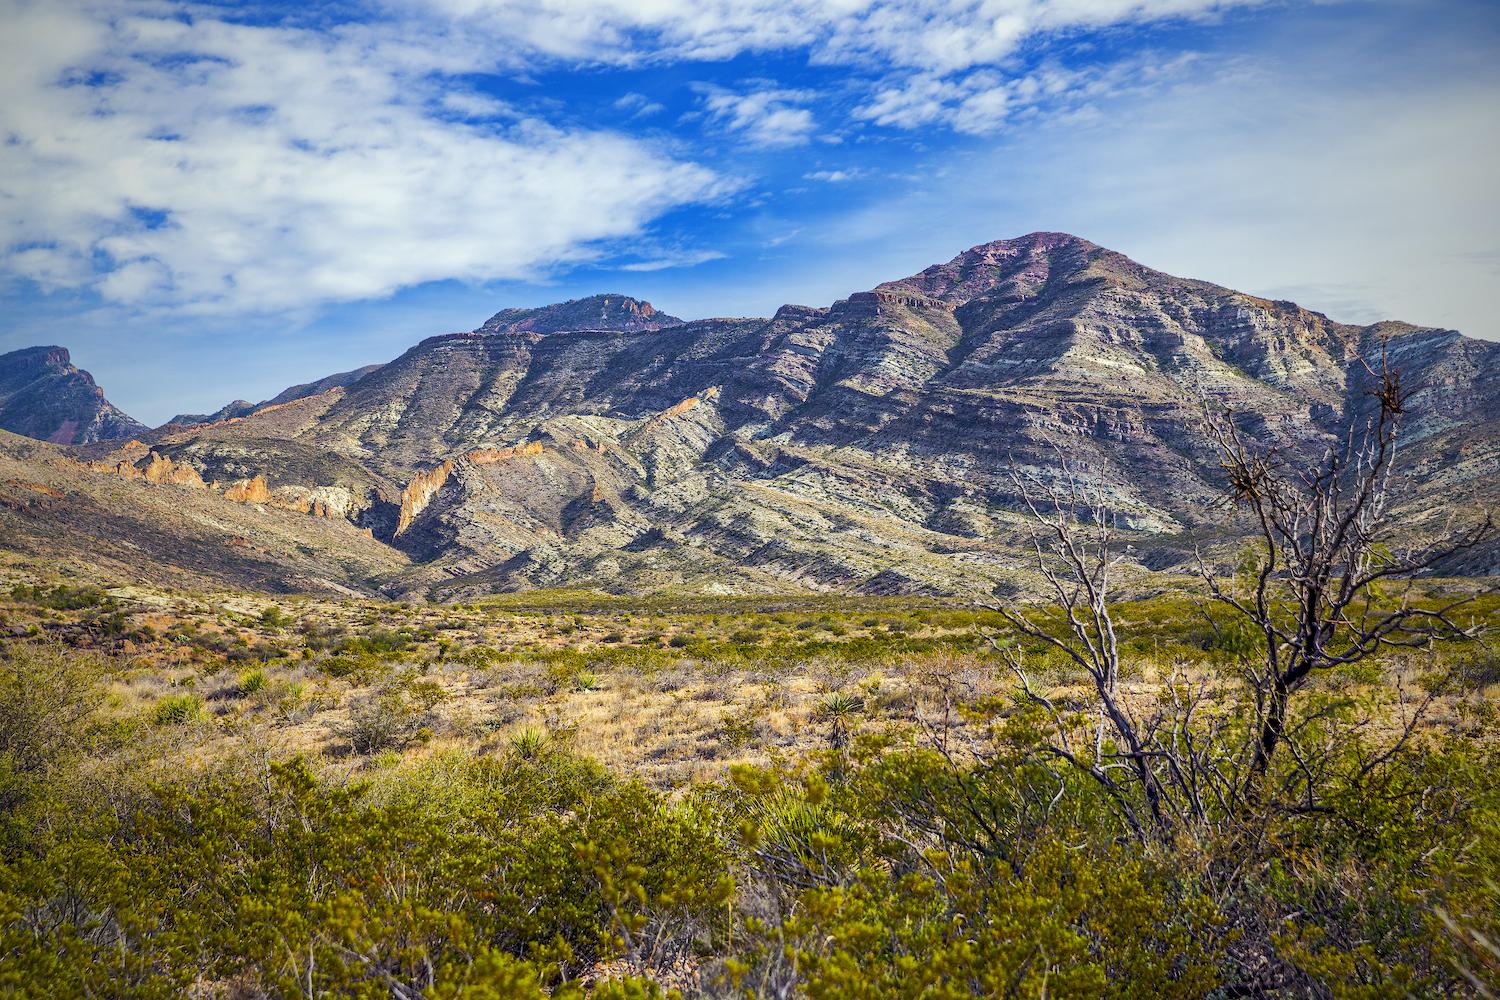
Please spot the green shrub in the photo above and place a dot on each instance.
(62, 597)
(385, 720)
(738, 729)
(378, 642)
(461, 878)
(839, 710)
(1483, 667)
(360, 667)
(177, 710)
(48, 699)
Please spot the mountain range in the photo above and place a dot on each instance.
(871, 445)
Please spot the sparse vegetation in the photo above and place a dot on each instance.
(61, 597)
(760, 810)
(529, 743)
(581, 795)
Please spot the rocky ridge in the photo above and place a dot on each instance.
(612, 311)
(243, 408)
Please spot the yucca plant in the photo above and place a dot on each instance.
(529, 743)
(838, 710)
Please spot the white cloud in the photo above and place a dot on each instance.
(766, 117)
(639, 105)
(684, 258)
(911, 102)
(214, 165)
(631, 31)
(985, 101)
(936, 36)
(474, 106)
(932, 61)
(52, 269)
(832, 176)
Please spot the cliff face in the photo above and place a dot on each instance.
(43, 396)
(868, 445)
(426, 485)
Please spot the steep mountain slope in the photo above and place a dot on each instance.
(43, 396)
(871, 445)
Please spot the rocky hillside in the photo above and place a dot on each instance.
(156, 521)
(869, 445)
(43, 396)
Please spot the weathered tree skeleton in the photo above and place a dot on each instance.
(1076, 559)
(1324, 546)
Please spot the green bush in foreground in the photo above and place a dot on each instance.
(483, 876)
(882, 867)
(177, 710)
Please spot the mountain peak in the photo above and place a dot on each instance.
(43, 396)
(35, 358)
(608, 311)
(1020, 265)
(1056, 250)
(1040, 241)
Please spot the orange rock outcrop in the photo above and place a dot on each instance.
(140, 462)
(249, 491)
(425, 485)
(161, 469)
(691, 402)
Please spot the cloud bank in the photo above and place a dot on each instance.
(930, 36)
(228, 159)
(210, 165)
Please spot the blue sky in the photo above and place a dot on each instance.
(207, 201)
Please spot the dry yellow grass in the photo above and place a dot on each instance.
(674, 693)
